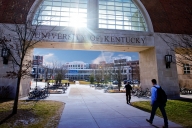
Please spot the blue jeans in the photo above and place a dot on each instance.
(162, 109)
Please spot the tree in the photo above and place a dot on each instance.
(91, 79)
(180, 44)
(118, 70)
(60, 72)
(19, 39)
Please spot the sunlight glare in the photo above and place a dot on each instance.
(77, 20)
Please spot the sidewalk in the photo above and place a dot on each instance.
(89, 108)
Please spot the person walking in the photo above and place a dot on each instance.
(155, 104)
(128, 92)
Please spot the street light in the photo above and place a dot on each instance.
(5, 52)
(37, 72)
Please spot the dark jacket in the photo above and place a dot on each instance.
(128, 88)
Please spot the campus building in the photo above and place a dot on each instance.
(37, 68)
(143, 26)
(129, 70)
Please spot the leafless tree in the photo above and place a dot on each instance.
(118, 70)
(60, 72)
(19, 38)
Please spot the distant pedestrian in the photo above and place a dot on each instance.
(155, 103)
(128, 92)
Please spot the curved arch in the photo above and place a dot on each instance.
(146, 16)
(33, 9)
(138, 3)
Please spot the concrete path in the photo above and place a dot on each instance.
(89, 108)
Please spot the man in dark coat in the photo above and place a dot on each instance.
(128, 92)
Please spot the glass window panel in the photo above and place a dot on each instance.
(56, 8)
(64, 13)
(63, 23)
(127, 18)
(119, 8)
(102, 11)
(127, 27)
(73, 10)
(82, 14)
(102, 2)
(134, 10)
(126, 9)
(119, 22)
(54, 23)
(111, 21)
(111, 17)
(132, 5)
(83, 1)
(56, 13)
(47, 3)
(111, 12)
(119, 13)
(111, 26)
(65, 4)
(127, 23)
(74, 5)
(45, 22)
(135, 28)
(110, 7)
(103, 16)
(119, 27)
(102, 7)
(55, 18)
(126, 4)
(82, 5)
(45, 18)
(64, 18)
(83, 10)
(56, 4)
(110, 3)
(134, 19)
(76, 1)
(103, 21)
(118, 4)
(64, 9)
(119, 17)
(142, 29)
(45, 13)
(65, 0)
(46, 8)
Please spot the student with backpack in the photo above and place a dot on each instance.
(158, 99)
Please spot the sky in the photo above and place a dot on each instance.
(64, 56)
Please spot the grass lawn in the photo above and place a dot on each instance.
(31, 114)
(178, 111)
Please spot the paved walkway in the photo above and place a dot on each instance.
(89, 108)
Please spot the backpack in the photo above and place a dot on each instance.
(161, 95)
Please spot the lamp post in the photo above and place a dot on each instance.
(5, 52)
(37, 72)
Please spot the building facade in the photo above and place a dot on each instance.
(117, 25)
(37, 68)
